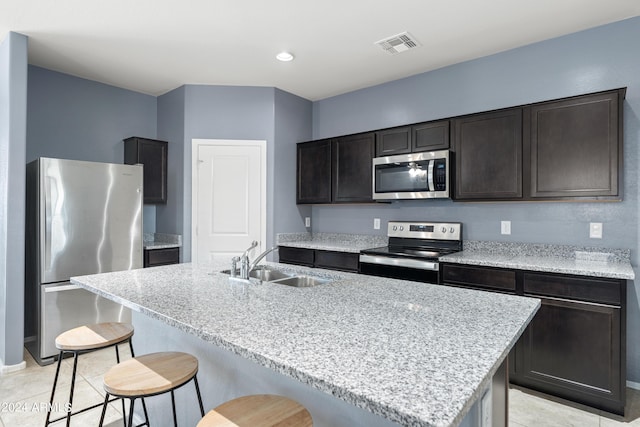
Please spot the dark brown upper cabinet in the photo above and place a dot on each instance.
(152, 154)
(430, 136)
(488, 155)
(576, 147)
(390, 142)
(427, 136)
(336, 170)
(314, 172)
(352, 176)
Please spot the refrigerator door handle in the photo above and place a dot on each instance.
(60, 288)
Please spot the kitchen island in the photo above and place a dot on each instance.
(358, 351)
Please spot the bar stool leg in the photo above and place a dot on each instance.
(53, 390)
(104, 409)
(131, 412)
(195, 380)
(73, 383)
(173, 406)
(118, 361)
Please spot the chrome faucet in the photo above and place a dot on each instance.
(255, 262)
(244, 262)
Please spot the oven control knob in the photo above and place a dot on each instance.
(444, 229)
(451, 230)
(395, 227)
(401, 228)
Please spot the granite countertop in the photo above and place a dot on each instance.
(161, 241)
(583, 261)
(331, 241)
(414, 353)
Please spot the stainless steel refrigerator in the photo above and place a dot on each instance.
(82, 218)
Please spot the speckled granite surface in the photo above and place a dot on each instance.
(161, 241)
(578, 260)
(414, 353)
(331, 241)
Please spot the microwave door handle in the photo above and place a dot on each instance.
(430, 175)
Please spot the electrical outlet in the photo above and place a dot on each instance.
(376, 223)
(505, 227)
(307, 221)
(595, 230)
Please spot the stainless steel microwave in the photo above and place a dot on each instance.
(412, 176)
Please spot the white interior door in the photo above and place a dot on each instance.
(229, 200)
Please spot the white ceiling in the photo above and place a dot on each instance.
(153, 46)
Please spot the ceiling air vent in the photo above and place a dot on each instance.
(398, 43)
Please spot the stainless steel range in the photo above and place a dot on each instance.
(413, 250)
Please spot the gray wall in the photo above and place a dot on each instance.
(593, 60)
(79, 119)
(213, 112)
(292, 125)
(13, 141)
(169, 218)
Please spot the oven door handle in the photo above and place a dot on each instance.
(399, 262)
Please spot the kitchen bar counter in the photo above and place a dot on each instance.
(413, 353)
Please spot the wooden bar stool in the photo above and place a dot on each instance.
(85, 339)
(259, 410)
(150, 375)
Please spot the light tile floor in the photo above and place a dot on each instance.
(23, 392)
(24, 395)
(528, 408)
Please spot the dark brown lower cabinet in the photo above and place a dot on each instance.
(344, 261)
(575, 346)
(156, 257)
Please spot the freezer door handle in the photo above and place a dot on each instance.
(60, 288)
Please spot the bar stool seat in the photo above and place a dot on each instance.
(149, 375)
(85, 339)
(259, 410)
(94, 337)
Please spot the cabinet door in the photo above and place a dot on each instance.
(484, 278)
(352, 168)
(298, 256)
(155, 257)
(153, 155)
(430, 136)
(576, 147)
(573, 350)
(488, 156)
(314, 172)
(345, 261)
(390, 142)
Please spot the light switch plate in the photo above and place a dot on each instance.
(595, 230)
(376, 223)
(307, 221)
(505, 227)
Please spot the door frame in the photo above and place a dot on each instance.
(198, 142)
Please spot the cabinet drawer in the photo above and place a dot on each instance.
(299, 256)
(337, 260)
(606, 291)
(479, 277)
(155, 257)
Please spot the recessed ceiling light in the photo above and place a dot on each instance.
(284, 57)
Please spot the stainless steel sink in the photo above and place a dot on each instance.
(268, 274)
(302, 281)
(272, 275)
